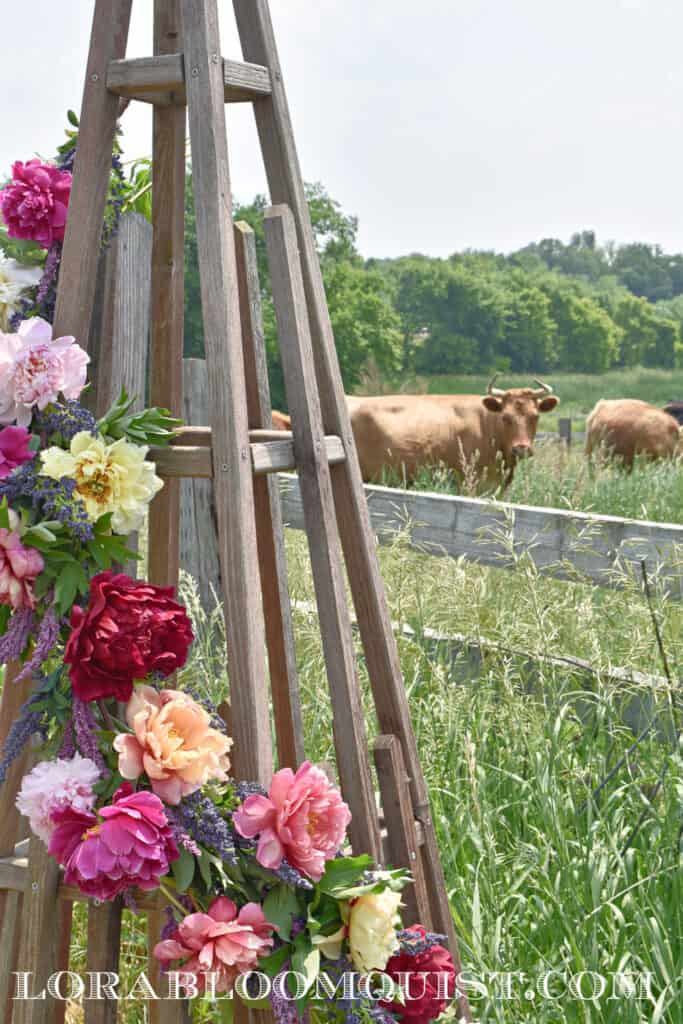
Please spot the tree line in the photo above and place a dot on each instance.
(550, 306)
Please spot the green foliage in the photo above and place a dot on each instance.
(151, 426)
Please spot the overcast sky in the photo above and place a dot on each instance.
(442, 124)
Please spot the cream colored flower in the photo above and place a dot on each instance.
(15, 279)
(173, 742)
(373, 921)
(109, 477)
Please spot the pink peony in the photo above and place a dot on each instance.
(303, 818)
(34, 370)
(220, 942)
(173, 742)
(34, 204)
(19, 567)
(53, 786)
(129, 843)
(14, 450)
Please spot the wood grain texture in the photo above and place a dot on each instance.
(99, 112)
(40, 933)
(161, 80)
(285, 182)
(10, 925)
(323, 541)
(270, 534)
(402, 843)
(13, 697)
(198, 539)
(102, 954)
(166, 335)
(127, 307)
(161, 1011)
(559, 543)
(267, 457)
(227, 396)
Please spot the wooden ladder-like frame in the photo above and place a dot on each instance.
(239, 452)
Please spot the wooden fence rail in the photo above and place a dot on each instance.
(568, 545)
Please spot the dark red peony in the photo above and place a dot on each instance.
(128, 630)
(428, 980)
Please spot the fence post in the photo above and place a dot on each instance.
(565, 431)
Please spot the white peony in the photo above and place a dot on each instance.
(53, 785)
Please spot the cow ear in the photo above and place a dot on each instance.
(492, 403)
(548, 403)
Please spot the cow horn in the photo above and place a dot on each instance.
(543, 389)
(494, 391)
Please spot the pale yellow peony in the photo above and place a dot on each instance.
(109, 478)
(373, 920)
(173, 742)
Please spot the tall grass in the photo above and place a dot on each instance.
(558, 478)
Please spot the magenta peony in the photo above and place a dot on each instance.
(35, 369)
(14, 449)
(19, 567)
(53, 786)
(221, 942)
(129, 843)
(303, 818)
(34, 204)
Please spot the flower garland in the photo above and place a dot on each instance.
(134, 788)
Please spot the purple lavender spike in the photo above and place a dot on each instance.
(15, 639)
(48, 634)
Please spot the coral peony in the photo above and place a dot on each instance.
(427, 977)
(112, 478)
(14, 449)
(373, 919)
(34, 204)
(15, 280)
(172, 742)
(129, 843)
(128, 630)
(220, 942)
(35, 369)
(19, 567)
(303, 818)
(54, 786)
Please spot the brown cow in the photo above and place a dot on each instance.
(627, 427)
(281, 420)
(482, 437)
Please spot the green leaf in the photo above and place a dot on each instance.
(183, 870)
(70, 581)
(204, 863)
(280, 906)
(272, 965)
(72, 118)
(5, 612)
(306, 962)
(343, 872)
(4, 514)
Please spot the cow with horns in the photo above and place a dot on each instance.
(481, 438)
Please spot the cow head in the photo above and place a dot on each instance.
(517, 411)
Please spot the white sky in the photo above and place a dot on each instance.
(442, 124)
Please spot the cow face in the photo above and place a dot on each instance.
(516, 422)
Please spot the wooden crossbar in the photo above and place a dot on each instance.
(161, 80)
(266, 457)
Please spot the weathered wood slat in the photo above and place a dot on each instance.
(161, 79)
(40, 932)
(102, 954)
(179, 461)
(233, 483)
(286, 186)
(284, 683)
(92, 169)
(569, 545)
(166, 336)
(323, 541)
(402, 845)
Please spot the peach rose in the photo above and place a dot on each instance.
(173, 742)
